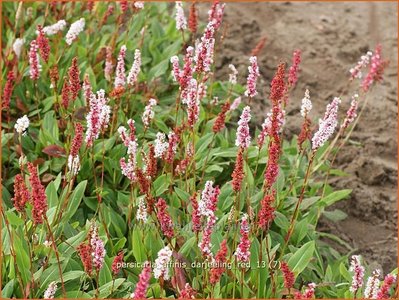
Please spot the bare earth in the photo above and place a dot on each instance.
(332, 37)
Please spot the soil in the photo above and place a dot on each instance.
(332, 37)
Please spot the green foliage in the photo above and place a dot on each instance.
(100, 194)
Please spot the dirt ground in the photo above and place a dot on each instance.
(332, 37)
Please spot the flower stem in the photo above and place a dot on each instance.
(56, 255)
(296, 211)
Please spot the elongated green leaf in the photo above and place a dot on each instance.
(301, 258)
(75, 199)
(106, 289)
(335, 197)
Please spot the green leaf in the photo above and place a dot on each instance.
(336, 215)
(138, 248)
(106, 289)
(23, 260)
(160, 69)
(308, 202)
(51, 193)
(281, 221)
(301, 258)
(335, 197)
(71, 275)
(50, 125)
(183, 195)
(14, 219)
(344, 272)
(105, 274)
(188, 246)
(75, 199)
(8, 289)
(161, 184)
(202, 145)
(227, 153)
(120, 244)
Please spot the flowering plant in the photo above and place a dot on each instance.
(130, 170)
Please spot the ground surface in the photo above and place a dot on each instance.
(332, 36)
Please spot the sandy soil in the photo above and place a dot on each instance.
(332, 36)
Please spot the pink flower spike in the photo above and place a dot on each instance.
(129, 140)
(138, 4)
(193, 103)
(308, 294)
(97, 246)
(38, 195)
(164, 218)
(206, 208)
(181, 22)
(242, 252)
(243, 138)
(306, 106)
(267, 211)
(173, 142)
(371, 290)
(235, 104)
(204, 50)
(135, 70)
(351, 113)
(73, 158)
(43, 44)
(376, 69)
(186, 74)
(233, 74)
(293, 71)
(116, 264)
(161, 269)
(205, 243)
(383, 292)
(148, 113)
(187, 293)
(8, 88)
(50, 291)
(362, 63)
(73, 32)
(209, 198)
(215, 14)
(124, 5)
(109, 66)
(34, 65)
(195, 215)
(98, 116)
(175, 68)
(358, 273)
(160, 145)
(120, 76)
(253, 75)
(289, 276)
(327, 125)
(143, 283)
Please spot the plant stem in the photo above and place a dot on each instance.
(271, 270)
(295, 214)
(56, 254)
(12, 250)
